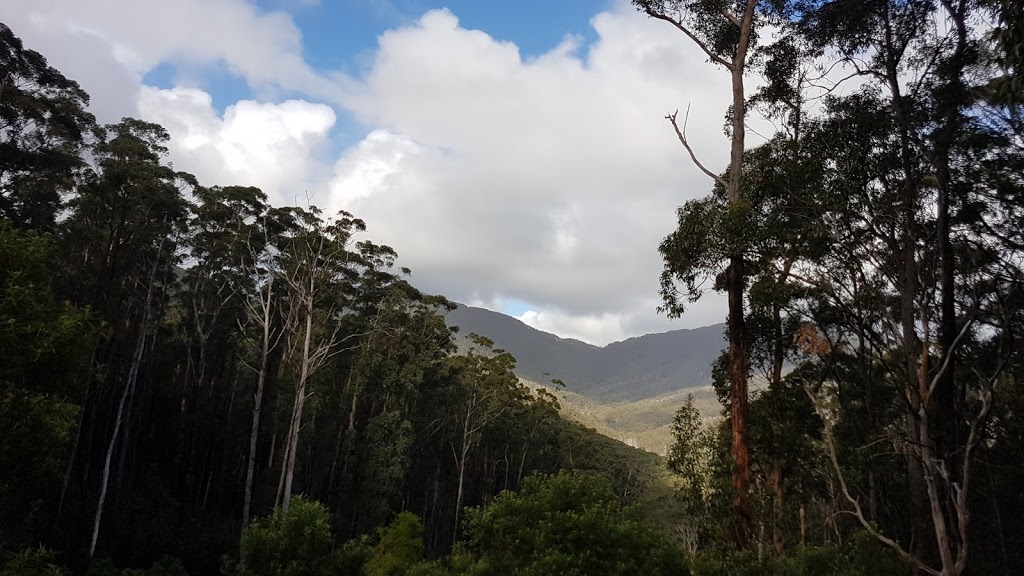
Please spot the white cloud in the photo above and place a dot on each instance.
(550, 181)
(271, 146)
(264, 47)
(592, 328)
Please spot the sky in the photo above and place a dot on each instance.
(515, 154)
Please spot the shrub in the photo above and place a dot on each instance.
(569, 525)
(400, 547)
(33, 562)
(292, 543)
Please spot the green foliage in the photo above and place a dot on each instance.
(567, 524)
(44, 129)
(862, 556)
(352, 556)
(32, 562)
(390, 438)
(165, 566)
(842, 251)
(292, 543)
(46, 346)
(400, 547)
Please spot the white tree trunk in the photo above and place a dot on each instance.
(129, 388)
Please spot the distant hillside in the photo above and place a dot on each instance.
(644, 424)
(634, 369)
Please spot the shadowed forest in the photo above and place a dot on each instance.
(194, 381)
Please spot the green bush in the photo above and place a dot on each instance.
(353, 555)
(400, 547)
(569, 525)
(33, 562)
(292, 543)
(862, 556)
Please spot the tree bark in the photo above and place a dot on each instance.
(129, 388)
(257, 409)
(738, 393)
(464, 451)
(300, 400)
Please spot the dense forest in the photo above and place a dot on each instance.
(194, 381)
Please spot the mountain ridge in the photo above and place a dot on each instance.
(627, 370)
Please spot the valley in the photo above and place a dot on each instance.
(628, 390)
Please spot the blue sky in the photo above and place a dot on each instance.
(336, 32)
(341, 35)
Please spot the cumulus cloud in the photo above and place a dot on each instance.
(264, 47)
(272, 146)
(549, 180)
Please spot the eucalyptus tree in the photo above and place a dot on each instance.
(318, 267)
(227, 235)
(726, 32)
(45, 132)
(919, 183)
(263, 314)
(486, 389)
(122, 235)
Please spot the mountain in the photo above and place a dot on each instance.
(634, 369)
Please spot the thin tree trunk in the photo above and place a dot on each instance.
(71, 460)
(257, 409)
(110, 451)
(129, 387)
(776, 481)
(522, 462)
(284, 458)
(250, 469)
(125, 441)
(458, 494)
(349, 436)
(273, 446)
(300, 400)
(742, 515)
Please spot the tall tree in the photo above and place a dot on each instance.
(487, 388)
(725, 32)
(318, 268)
(44, 130)
(121, 236)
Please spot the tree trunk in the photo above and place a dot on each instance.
(123, 455)
(69, 468)
(738, 395)
(129, 388)
(776, 482)
(522, 463)
(257, 409)
(742, 516)
(300, 400)
(458, 494)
